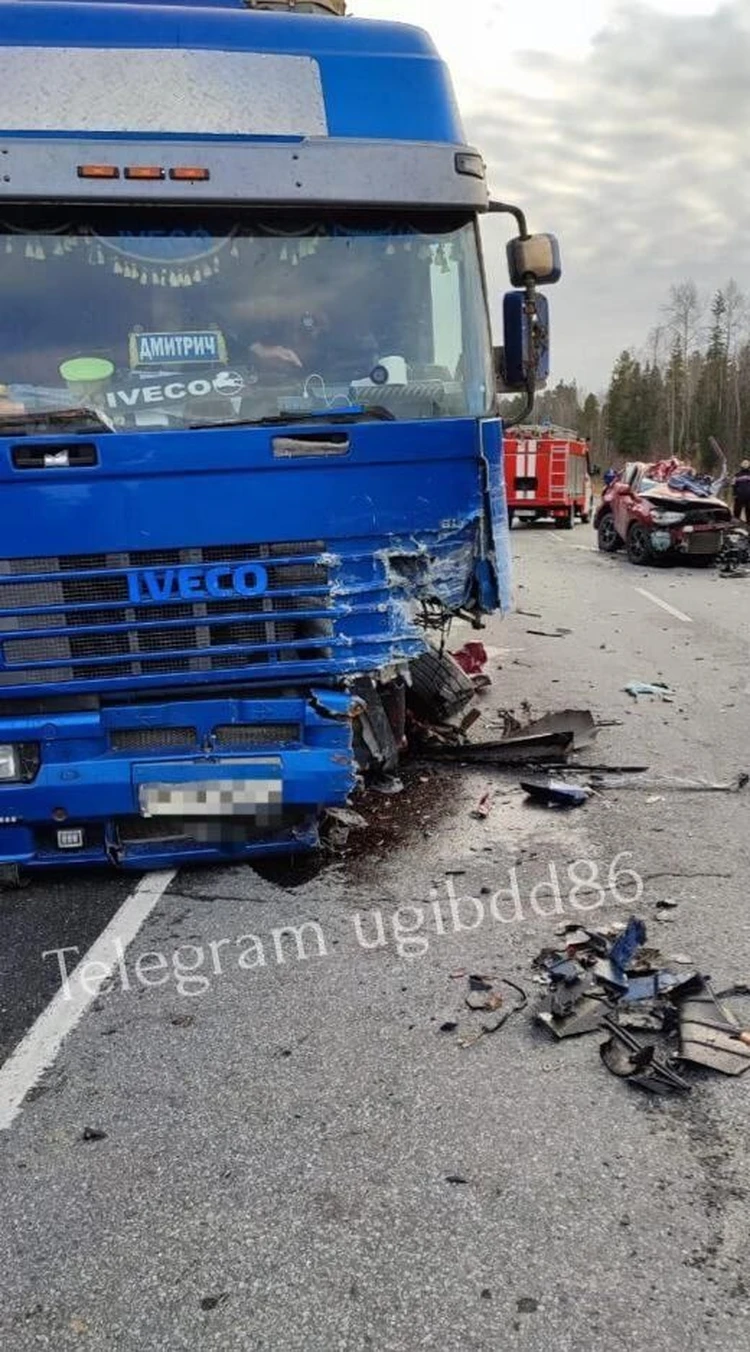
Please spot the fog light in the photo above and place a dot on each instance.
(18, 761)
(10, 763)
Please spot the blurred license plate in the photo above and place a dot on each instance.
(210, 798)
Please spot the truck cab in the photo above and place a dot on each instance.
(249, 448)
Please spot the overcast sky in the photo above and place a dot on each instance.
(621, 127)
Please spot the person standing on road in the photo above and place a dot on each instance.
(741, 492)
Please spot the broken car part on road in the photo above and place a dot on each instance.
(612, 981)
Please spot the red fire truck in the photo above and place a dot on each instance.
(548, 474)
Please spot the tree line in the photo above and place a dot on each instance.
(690, 382)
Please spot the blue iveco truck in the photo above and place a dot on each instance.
(249, 447)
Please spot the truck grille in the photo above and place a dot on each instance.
(73, 619)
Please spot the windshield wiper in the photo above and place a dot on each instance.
(375, 414)
(70, 419)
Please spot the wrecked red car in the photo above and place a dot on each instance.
(662, 512)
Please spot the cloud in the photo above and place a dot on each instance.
(627, 136)
(637, 155)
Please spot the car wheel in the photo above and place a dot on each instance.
(606, 536)
(639, 545)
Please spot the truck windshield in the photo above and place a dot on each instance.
(164, 320)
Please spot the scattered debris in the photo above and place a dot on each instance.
(577, 724)
(93, 1134)
(711, 1036)
(614, 982)
(739, 782)
(387, 784)
(346, 816)
(483, 807)
(637, 688)
(484, 998)
(472, 658)
(625, 1056)
(549, 633)
(555, 793)
(211, 1302)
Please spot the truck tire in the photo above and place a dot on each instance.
(606, 536)
(569, 521)
(439, 687)
(639, 545)
(511, 517)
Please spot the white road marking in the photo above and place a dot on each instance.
(38, 1049)
(562, 540)
(671, 610)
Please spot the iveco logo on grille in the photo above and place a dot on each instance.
(197, 584)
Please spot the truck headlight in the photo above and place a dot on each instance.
(19, 762)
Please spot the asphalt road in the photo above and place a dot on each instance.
(294, 1156)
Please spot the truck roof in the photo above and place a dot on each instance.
(381, 80)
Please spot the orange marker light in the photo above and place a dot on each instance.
(144, 171)
(190, 174)
(98, 171)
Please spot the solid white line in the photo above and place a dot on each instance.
(38, 1049)
(671, 610)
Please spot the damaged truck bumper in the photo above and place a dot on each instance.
(158, 786)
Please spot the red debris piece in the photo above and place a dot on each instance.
(472, 658)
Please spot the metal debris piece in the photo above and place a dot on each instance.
(636, 688)
(579, 723)
(711, 1036)
(515, 750)
(479, 982)
(93, 1134)
(638, 1062)
(554, 793)
(586, 1017)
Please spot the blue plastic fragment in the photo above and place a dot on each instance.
(627, 944)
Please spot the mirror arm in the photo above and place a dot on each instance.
(530, 308)
(506, 209)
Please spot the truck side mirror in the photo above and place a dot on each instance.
(534, 259)
(525, 351)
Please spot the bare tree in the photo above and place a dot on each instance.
(684, 311)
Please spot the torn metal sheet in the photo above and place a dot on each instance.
(711, 1036)
(579, 723)
(508, 751)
